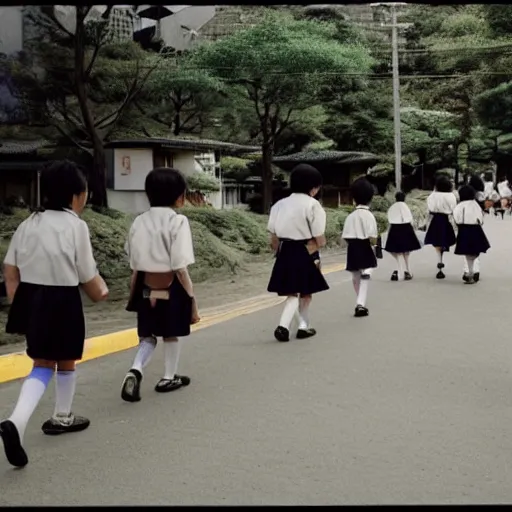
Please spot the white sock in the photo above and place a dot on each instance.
(304, 313)
(406, 262)
(470, 261)
(400, 266)
(171, 358)
(65, 385)
(31, 393)
(290, 307)
(363, 292)
(476, 266)
(144, 354)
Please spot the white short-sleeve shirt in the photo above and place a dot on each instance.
(297, 217)
(160, 241)
(468, 212)
(504, 189)
(360, 224)
(400, 213)
(52, 248)
(441, 202)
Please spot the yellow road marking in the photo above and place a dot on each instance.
(18, 365)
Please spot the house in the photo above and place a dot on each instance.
(129, 162)
(338, 169)
(19, 163)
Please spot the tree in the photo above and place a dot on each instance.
(82, 90)
(282, 65)
(182, 97)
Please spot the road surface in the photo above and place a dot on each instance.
(411, 405)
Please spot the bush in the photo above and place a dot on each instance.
(380, 204)
(212, 255)
(235, 228)
(202, 182)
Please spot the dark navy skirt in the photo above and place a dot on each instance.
(52, 320)
(295, 271)
(360, 255)
(168, 318)
(440, 232)
(401, 239)
(471, 240)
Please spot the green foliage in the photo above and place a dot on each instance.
(202, 182)
(183, 97)
(233, 227)
(499, 18)
(235, 168)
(282, 62)
(380, 204)
(494, 107)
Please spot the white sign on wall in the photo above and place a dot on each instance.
(131, 166)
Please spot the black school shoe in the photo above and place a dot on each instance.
(167, 385)
(394, 276)
(407, 276)
(465, 277)
(440, 274)
(282, 334)
(476, 277)
(361, 311)
(63, 424)
(130, 391)
(302, 334)
(14, 452)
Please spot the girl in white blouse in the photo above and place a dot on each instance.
(471, 239)
(360, 232)
(440, 232)
(297, 228)
(49, 257)
(401, 239)
(160, 250)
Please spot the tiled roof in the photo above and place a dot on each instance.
(13, 147)
(197, 144)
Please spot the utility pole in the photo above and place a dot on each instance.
(396, 90)
(396, 100)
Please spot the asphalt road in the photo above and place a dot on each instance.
(411, 405)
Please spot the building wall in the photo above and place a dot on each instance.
(133, 202)
(184, 161)
(140, 164)
(126, 186)
(11, 29)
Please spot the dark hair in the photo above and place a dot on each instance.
(304, 178)
(488, 176)
(467, 193)
(362, 191)
(477, 183)
(61, 180)
(444, 184)
(164, 186)
(400, 197)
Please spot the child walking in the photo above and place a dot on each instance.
(361, 233)
(49, 256)
(160, 250)
(471, 239)
(440, 232)
(402, 239)
(297, 228)
(478, 184)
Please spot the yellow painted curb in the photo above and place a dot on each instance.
(18, 365)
